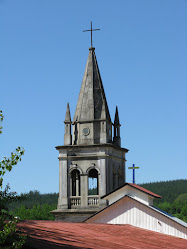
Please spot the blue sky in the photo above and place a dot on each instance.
(142, 55)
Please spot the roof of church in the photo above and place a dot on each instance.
(92, 103)
(58, 234)
(136, 187)
(144, 190)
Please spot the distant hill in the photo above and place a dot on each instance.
(169, 190)
(35, 198)
(36, 206)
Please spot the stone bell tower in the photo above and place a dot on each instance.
(91, 161)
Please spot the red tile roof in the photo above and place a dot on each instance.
(144, 190)
(137, 187)
(58, 235)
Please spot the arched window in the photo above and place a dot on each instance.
(75, 178)
(93, 185)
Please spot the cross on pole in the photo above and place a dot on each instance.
(133, 172)
(91, 32)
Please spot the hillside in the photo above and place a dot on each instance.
(169, 190)
(35, 198)
(36, 206)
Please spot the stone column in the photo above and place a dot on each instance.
(102, 177)
(70, 187)
(62, 200)
(84, 190)
(102, 182)
(77, 184)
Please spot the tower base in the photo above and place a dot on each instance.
(73, 215)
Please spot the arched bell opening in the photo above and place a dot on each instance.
(93, 183)
(76, 186)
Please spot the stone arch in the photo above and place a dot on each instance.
(73, 167)
(93, 167)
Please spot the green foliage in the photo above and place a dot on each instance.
(177, 208)
(35, 206)
(10, 236)
(169, 190)
(174, 197)
(182, 197)
(7, 163)
(34, 198)
(7, 197)
(37, 212)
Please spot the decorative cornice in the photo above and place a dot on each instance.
(107, 145)
(89, 157)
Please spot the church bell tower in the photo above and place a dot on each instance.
(91, 161)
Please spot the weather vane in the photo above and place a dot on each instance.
(91, 30)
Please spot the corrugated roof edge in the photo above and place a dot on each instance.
(182, 223)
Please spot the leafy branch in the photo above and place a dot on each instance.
(1, 120)
(9, 233)
(7, 163)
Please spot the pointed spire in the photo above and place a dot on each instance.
(67, 135)
(117, 138)
(68, 116)
(116, 119)
(92, 95)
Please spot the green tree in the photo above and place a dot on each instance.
(177, 208)
(10, 236)
(34, 198)
(182, 197)
(37, 212)
(169, 190)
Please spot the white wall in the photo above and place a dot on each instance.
(128, 190)
(129, 211)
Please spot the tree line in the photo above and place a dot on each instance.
(37, 206)
(169, 190)
(174, 197)
(34, 198)
(34, 206)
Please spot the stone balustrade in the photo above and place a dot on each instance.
(93, 200)
(75, 201)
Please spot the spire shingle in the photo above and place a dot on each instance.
(92, 96)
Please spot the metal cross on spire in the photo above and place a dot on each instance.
(91, 32)
(133, 172)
